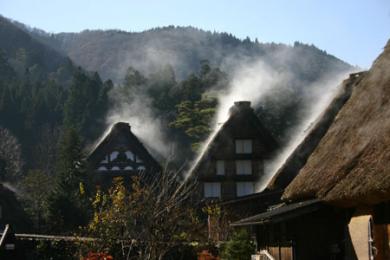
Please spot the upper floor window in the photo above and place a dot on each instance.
(129, 155)
(244, 146)
(244, 188)
(220, 167)
(212, 189)
(243, 167)
(141, 168)
(114, 155)
(105, 160)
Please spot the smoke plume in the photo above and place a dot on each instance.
(281, 74)
(256, 81)
(317, 99)
(144, 124)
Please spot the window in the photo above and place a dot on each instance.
(128, 168)
(113, 155)
(212, 189)
(244, 167)
(141, 168)
(102, 168)
(244, 188)
(220, 167)
(115, 168)
(105, 160)
(129, 155)
(244, 146)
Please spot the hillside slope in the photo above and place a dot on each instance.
(111, 52)
(41, 91)
(29, 57)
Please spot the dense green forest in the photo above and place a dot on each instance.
(53, 103)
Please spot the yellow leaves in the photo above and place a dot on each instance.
(111, 210)
(212, 210)
(150, 212)
(98, 199)
(81, 188)
(182, 236)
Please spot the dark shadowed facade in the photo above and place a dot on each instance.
(234, 161)
(121, 154)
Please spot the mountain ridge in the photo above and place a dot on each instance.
(111, 52)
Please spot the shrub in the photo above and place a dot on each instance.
(239, 247)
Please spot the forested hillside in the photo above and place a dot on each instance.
(175, 58)
(41, 91)
(111, 52)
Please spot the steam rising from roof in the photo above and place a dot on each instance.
(255, 81)
(321, 95)
(250, 82)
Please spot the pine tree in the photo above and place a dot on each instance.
(67, 203)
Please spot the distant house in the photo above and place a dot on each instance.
(11, 210)
(120, 153)
(338, 204)
(234, 160)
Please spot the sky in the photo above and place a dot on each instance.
(353, 30)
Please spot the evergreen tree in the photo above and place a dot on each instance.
(67, 203)
(194, 118)
(86, 104)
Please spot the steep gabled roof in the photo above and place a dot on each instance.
(121, 135)
(351, 164)
(299, 156)
(241, 116)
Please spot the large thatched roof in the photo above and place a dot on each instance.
(351, 164)
(121, 136)
(299, 156)
(242, 123)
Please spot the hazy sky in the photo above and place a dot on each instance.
(355, 31)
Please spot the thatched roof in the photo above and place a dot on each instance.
(242, 123)
(122, 136)
(351, 164)
(299, 156)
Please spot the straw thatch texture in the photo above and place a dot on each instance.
(351, 164)
(299, 156)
